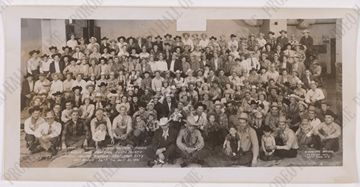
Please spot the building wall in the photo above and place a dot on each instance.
(30, 38)
(115, 28)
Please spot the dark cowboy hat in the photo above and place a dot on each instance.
(57, 93)
(271, 32)
(130, 38)
(66, 47)
(76, 87)
(104, 38)
(167, 35)
(232, 35)
(44, 55)
(102, 84)
(121, 37)
(52, 47)
(213, 37)
(158, 36)
(177, 37)
(283, 31)
(56, 54)
(103, 58)
(34, 51)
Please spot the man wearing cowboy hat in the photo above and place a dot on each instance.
(57, 66)
(48, 133)
(122, 126)
(307, 40)
(100, 127)
(27, 90)
(282, 40)
(328, 133)
(163, 147)
(41, 85)
(32, 65)
(31, 125)
(187, 41)
(249, 142)
(314, 95)
(286, 140)
(175, 63)
(191, 142)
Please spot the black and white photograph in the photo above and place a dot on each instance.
(144, 94)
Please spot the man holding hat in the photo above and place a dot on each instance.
(122, 126)
(163, 147)
(100, 126)
(328, 134)
(190, 142)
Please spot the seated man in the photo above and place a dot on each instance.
(122, 126)
(249, 143)
(76, 133)
(328, 133)
(48, 133)
(286, 141)
(190, 142)
(163, 147)
(100, 127)
(31, 125)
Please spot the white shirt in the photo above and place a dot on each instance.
(57, 67)
(314, 95)
(45, 129)
(72, 43)
(189, 42)
(56, 86)
(45, 66)
(30, 128)
(233, 43)
(204, 43)
(161, 65)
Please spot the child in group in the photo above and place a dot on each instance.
(232, 141)
(267, 144)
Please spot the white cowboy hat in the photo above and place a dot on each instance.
(163, 121)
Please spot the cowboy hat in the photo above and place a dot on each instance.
(163, 121)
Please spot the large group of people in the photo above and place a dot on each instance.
(185, 96)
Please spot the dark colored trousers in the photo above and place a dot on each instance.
(170, 153)
(328, 144)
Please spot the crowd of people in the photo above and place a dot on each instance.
(259, 97)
